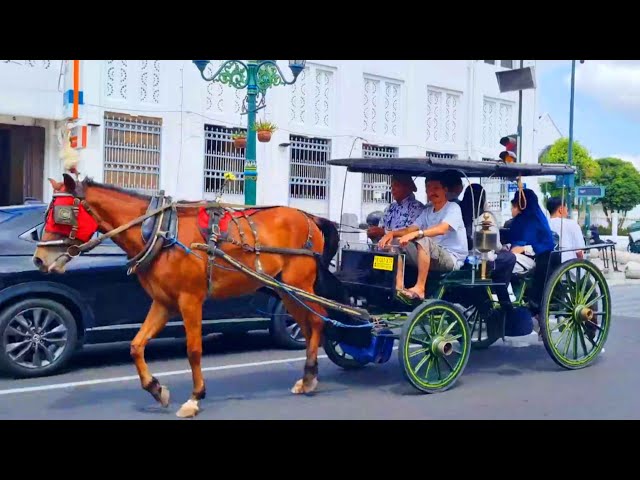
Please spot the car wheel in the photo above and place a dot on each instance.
(285, 331)
(37, 337)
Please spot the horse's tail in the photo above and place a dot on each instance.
(331, 238)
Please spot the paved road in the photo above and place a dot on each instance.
(252, 381)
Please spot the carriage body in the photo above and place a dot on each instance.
(461, 311)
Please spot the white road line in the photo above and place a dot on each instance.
(59, 386)
(98, 381)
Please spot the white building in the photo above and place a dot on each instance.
(157, 124)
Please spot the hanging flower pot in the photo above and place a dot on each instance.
(265, 130)
(239, 140)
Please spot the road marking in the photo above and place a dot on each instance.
(82, 383)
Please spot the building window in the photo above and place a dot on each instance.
(490, 62)
(497, 121)
(381, 106)
(447, 156)
(132, 151)
(376, 187)
(506, 63)
(308, 169)
(221, 156)
(442, 116)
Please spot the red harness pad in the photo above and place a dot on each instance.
(203, 218)
(87, 225)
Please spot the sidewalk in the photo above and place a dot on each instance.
(618, 278)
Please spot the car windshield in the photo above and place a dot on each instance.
(5, 216)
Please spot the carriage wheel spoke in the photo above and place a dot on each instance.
(419, 341)
(446, 360)
(588, 305)
(568, 342)
(415, 353)
(437, 362)
(582, 342)
(576, 327)
(426, 358)
(557, 343)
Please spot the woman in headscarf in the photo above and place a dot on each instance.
(531, 241)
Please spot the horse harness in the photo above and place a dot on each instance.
(159, 230)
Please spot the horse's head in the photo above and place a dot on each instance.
(68, 224)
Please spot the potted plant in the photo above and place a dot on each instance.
(264, 129)
(239, 140)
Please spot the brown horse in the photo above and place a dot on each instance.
(176, 280)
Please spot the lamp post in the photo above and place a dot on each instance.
(570, 154)
(257, 77)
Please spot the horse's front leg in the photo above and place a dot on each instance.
(191, 310)
(155, 321)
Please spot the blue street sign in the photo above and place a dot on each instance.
(513, 187)
(590, 191)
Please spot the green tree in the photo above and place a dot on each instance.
(586, 167)
(622, 187)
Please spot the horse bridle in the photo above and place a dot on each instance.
(68, 215)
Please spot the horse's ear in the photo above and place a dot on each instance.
(57, 186)
(69, 183)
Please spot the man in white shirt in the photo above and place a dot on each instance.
(567, 229)
(437, 239)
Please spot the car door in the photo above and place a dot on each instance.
(101, 275)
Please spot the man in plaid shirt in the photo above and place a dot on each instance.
(401, 213)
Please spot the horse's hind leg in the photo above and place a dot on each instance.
(311, 326)
(191, 310)
(155, 321)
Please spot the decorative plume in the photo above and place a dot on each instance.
(69, 155)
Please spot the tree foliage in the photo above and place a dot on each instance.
(622, 185)
(586, 167)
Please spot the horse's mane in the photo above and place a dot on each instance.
(90, 182)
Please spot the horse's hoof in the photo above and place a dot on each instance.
(188, 409)
(300, 387)
(165, 395)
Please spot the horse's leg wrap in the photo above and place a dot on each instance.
(201, 395)
(154, 388)
(311, 370)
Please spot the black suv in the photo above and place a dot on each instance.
(45, 319)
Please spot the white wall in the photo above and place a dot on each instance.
(454, 118)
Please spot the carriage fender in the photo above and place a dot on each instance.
(70, 295)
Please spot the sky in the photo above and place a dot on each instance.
(606, 117)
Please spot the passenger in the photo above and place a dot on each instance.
(472, 205)
(436, 241)
(531, 242)
(402, 212)
(453, 182)
(568, 230)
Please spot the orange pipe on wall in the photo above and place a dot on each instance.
(76, 87)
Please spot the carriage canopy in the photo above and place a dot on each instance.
(423, 166)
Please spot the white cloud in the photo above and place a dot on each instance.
(613, 83)
(635, 159)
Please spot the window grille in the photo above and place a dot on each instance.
(132, 151)
(376, 187)
(220, 156)
(308, 169)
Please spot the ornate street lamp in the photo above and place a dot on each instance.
(257, 77)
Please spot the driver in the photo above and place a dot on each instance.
(401, 213)
(437, 239)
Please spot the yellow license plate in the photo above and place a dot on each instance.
(383, 263)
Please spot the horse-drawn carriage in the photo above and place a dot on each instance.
(352, 312)
(461, 311)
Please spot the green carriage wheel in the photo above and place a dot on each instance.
(434, 346)
(575, 314)
(485, 326)
(340, 358)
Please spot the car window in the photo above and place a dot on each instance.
(35, 234)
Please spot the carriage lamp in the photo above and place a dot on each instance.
(257, 76)
(485, 240)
